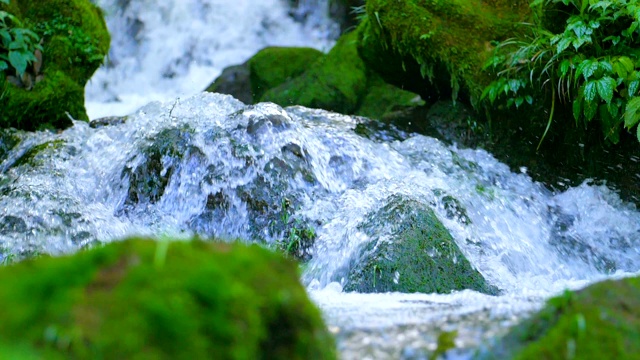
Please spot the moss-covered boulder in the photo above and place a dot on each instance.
(273, 66)
(336, 82)
(415, 253)
(601, 321)
(75, 41)
(438, 46)
(140, 299)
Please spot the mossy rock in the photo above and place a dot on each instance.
(273, 66)
(140, 299)
(601, 321)
(336, 82)
(417, 254)
(75, 42)
(437, 47)
(382, 99)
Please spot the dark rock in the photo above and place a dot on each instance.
(234, 81)
(12, 225)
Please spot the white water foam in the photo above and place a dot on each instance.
(162, 49)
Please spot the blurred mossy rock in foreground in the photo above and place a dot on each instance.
(75, 41)
(338, 81)
(160, 300)
(415, 254)
(601, 321)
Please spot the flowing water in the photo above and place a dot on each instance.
(209, 164)
(161, 49)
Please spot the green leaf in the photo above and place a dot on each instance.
(610, 125)
(620, 70)
(587, 68)
(633, 87)
(605, 87)
(529, 99)
(514, 85)
(3, 66)
(590, 110)
(590, 91)
(627, 63)
(605, 66)
(564, 67)
(562, 45)
(577, 108)
(638, 133)
(18, 61)
(519, 101)
(631, 116)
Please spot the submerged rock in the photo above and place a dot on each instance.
(601, 321)
(165, 300)
(413, 252)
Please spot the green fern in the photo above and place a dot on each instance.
(593, 64)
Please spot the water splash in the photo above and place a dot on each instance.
(211, 165)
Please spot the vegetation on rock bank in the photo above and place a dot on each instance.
(599, 322)
(162, 300)
(48, 84)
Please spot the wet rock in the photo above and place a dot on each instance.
(411, 251)
(107, 121)
(151, 174)
(12, 225)
(231, 300)
(8, 140)
(601, 321)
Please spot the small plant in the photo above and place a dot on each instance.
(297, 237)
(83, 44)
(592, 64)
(19, 49)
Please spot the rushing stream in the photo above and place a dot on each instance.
(210, 165)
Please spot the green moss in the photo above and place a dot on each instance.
(444, 41)
(336, 82)
(44, 106)
(34, 156)
(599, 322)
(273, 66)
(419, 256)
(75, 41)
(132, 300)
(382, 98)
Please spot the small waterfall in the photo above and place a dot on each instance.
(169, 48)
(209, 164)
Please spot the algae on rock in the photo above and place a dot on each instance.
(163, 300)
(417, 255)
(601, 321)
